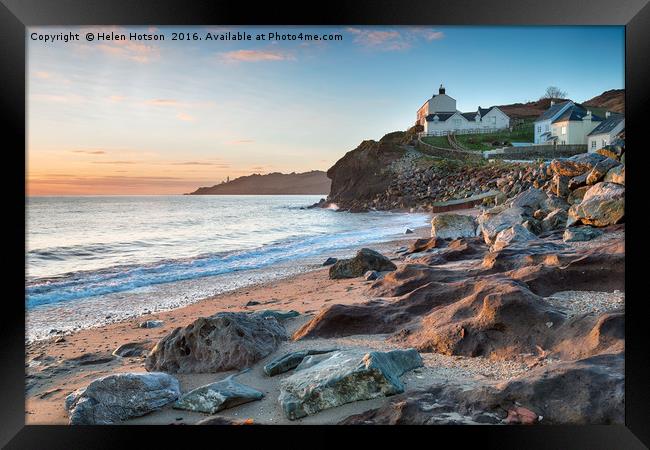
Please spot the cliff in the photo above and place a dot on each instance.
(314, 182)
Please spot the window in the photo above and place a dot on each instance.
(563, 130)
(546, 127)
(593, 144)
(604, 142)
(539, 129)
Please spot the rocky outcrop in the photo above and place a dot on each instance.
(344, 377)
(121, 396)
(587, 391)
(452, 226)
(365, 260)
(224, 341)
(602, 205)
(215, 397)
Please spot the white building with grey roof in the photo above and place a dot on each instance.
(439, 116)
(606, 132)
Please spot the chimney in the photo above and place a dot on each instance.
(441, 90)
(552, 102)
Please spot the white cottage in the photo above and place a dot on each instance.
(606, 132)
(439, 116)
(565, 123)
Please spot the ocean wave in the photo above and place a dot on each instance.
(83, 284)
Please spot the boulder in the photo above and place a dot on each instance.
(218, 396)
(131, 349)
(452, 226)
(560, 185)
(330, 261)
(579, 234)
(118, 397)
(365, 260)
(554, 220)
(516, 233)
(408, 231)
(575, 165)
(578, 181)
(616, 175)
(291, 361)
(602, 205)
(530, 200)
(577, 195)
(491, 224)
(600, 170)
(224, 341)
(554, 202)
(346, 376)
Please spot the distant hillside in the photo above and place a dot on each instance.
(314, 182)
(612, 100)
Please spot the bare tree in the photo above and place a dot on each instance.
(554, 92)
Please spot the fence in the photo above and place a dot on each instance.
(461, 131)
(536, 152)
(448, 153)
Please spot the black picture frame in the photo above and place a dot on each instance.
(16, 15)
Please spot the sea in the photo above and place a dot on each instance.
(91, 260)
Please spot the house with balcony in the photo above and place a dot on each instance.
(439, 116)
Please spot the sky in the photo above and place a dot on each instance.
(165, 117)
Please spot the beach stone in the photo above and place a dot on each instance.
(579, 234)
(277, 314)
(452, 226)
(150, 324)
(616, 175)
(491, 224)
(117, 397)
(517, 233)
(365, 260)
(371, 275)
(330, 261)
(218, 396)
(560, 185)
(530, 200)
(131, 349)
(408, 231)
(602, 205)
(224, 341)
(252, 303)
(554, 220)
(291, 361)
(600, 170)
(345, 376)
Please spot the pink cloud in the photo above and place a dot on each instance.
(185, 117)
(256, 55)
(390, 40)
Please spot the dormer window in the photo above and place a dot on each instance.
(436, 118)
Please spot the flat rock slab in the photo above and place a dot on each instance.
(345, 376)
(117, 397)
(218, 396)
(452, 226)
(291, 361)
(221, 342)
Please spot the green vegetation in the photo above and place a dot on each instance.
(437, 141)
(522, 133)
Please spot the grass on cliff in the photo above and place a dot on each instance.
(482, 142)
